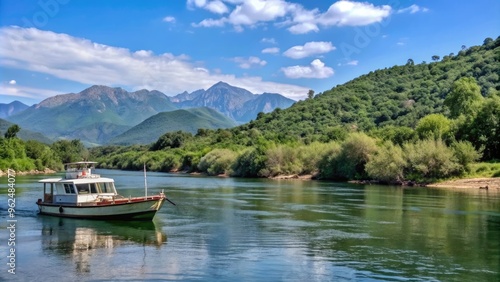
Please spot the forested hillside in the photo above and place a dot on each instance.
(400, 95)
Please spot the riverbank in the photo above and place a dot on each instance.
(492, 183)
(30, 172)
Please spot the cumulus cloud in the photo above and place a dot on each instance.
(12, 82)
(81, 60)
(216, 6)
(316, 69)
(272, 50)
(169, 19)
(309, 49)
(349, 13)
(246, 63)
(299, 19)
(413, 9)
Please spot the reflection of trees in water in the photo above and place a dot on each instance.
(80, 240)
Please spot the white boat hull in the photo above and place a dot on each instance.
(134, 209)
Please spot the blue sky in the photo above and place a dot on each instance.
(50, 47)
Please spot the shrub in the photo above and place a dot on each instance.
(281, 160)
(429, 160)
(465, 154)
(217, 161)
(250, 163)
(388, 164)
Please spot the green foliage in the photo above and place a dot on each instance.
(396, 134)
(465, 154)
(70, 151)
(435, 126)
(12, 131)
(218, 161)
(43, 155)
(430, 160)
(281, 160)
(387, 164)
(171, 140)
(464, 98)
(349, 162)
(484, 130)
(250, 162)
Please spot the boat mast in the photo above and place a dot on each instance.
(145, 182)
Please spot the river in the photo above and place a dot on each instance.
(229, 229)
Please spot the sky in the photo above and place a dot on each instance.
(51, 47)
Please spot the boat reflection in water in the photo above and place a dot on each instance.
(82, 239)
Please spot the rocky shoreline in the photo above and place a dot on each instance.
(30, 172)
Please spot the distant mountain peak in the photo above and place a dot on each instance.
(12, 108)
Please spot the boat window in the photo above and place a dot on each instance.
(93, 188)
(68, 188)
(107, 187)
(82, 188)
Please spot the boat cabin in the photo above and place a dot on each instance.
(79, 186)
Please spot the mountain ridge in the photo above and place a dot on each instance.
(189, 120)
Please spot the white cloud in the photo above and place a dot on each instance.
(251, 12)
(12, 82)
(272, 50)
(210, 23)
(300, 20)
(268, 40)
(303, 28)
(169, 19)
(316, 69)
(246, 63)
(81, 60)
(352, 63)
(413, 9)
(349, 13)
(216, 6)
(309, 49)
(26, 92)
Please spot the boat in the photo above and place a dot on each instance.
(84, 194)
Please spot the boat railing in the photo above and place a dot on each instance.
(83, 173)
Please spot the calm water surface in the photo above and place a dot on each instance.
(226, 229)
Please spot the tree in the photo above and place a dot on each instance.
(12, 131)
(435, 58)
(410, 62)
(70, 151)
(434, 126)
(484, 131)
(464, 97)
(310, 94)
(171, 140)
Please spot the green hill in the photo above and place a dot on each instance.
(24, 134)
(399, 95)
(189, 120)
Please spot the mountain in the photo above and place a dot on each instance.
(265, 103)
(189, 120)
(185, 96)
(94, 115)
(24, 134)
(12, 108)
(236, 103)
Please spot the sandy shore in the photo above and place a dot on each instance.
(471, 183)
